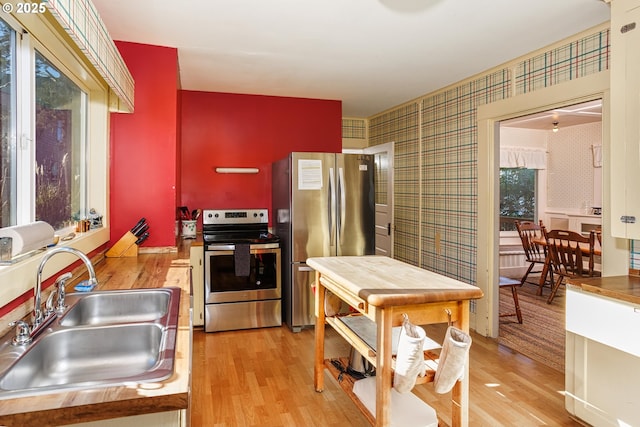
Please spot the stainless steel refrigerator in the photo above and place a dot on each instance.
(323, 205)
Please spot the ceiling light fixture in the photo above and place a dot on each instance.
(555, 126)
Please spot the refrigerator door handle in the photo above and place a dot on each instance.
(304, 268)
(343, 204)
(332, 204)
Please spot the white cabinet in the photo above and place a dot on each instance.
(602, 370)
(579, 223)
(584, 224)
(196, 259)
(625, 119)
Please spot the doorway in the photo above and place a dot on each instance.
(550, 171)
(383, 183)
(574, 92)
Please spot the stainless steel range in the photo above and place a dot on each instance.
(241, 270)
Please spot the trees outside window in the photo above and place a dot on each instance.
(60, 115)
(517, 197)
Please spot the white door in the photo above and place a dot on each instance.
(383, 183)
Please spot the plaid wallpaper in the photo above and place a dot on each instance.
(354, 128)
(436, 148)
(635, 255)
(450, 174)
(586, 56)
(401, 126)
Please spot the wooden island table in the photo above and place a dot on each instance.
(382, 289)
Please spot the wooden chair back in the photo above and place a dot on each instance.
(572, 254)
(529, 232)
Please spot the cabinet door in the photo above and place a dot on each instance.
(625, 118)
(197, 280)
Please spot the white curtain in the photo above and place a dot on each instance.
(523, 157)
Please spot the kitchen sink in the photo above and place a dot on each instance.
(104, 338)
(86, 356)
(113, 307)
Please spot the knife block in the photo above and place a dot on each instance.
(125, 247)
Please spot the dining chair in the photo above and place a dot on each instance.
(571, 254)
(511, 284)
(535, 253)
(598, 236)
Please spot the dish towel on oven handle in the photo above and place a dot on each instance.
(453, 357)
(410, 356)
(242, 259)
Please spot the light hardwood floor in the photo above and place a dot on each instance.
(264, 377)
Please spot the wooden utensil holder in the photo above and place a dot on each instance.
(125, 247)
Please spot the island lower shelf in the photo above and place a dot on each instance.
(337, 367)
(368, 351)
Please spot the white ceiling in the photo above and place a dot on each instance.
(570, 115)
(371, 54)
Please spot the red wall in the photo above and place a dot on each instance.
(231, 130)
(165, 153)
(144, 146)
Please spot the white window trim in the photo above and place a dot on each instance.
(19, 278)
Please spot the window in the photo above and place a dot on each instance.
(43, 176)
(60, 140)
(7, 125)
(54, 152)
(517, 197)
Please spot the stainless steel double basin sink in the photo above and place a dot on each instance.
(103, 338)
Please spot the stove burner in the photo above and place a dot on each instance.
(237, 226)
(261, 238)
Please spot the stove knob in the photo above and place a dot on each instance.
(217, 215)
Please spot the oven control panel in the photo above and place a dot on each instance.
(236, 216)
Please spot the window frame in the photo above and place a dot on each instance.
(12, 122)
(35, 31)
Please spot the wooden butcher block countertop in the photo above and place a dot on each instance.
(52, 409)
(384, 282)
(624, 288)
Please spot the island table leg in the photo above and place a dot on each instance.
(318, 373)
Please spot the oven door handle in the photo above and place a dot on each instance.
(221, 248)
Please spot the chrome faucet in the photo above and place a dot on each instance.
(37, 316)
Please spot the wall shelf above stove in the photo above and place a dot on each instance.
(237, 170)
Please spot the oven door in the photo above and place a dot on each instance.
(222, 284)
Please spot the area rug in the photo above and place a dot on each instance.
(541, 336)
